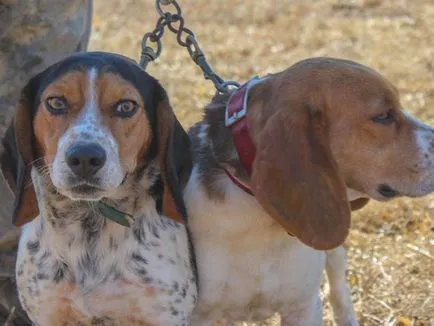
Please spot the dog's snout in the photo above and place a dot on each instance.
(85, 159)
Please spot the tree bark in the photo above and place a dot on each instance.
(34, 34)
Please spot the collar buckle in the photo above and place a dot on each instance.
(236, 111)
(231, 119)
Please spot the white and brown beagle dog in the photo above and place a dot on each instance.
(108, 160)
(292, 154)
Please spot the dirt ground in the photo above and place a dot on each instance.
(391, 246)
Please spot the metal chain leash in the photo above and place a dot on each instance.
(173, 20)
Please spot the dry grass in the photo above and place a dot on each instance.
(391, 246)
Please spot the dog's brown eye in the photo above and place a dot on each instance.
(125, 108)
(56, 105)
(386, 118)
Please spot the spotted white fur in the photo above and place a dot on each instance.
(156, 286)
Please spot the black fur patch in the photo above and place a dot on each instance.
(156, 192)
(139, 233)
(33, 247)
(59, 272)
(138, 258)
(102, 321)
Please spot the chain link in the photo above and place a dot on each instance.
(173, 20)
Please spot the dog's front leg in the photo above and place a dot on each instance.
(340, 294)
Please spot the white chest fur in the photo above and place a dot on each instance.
(129, 276)
(249, 267)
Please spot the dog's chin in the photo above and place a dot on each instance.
(85, 192)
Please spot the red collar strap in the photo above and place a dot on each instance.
(238, 182)
(236, 111)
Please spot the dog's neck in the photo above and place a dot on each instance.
(84, 242)
(140, 190)
(214, 148)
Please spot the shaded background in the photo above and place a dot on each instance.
(391, 246)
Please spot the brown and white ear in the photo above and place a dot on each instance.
(16, 162)
(175, 161)
(294, 176)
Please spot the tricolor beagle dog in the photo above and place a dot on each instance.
(96, 153)
(278, 165)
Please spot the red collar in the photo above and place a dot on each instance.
(236, 111)
(239, 183)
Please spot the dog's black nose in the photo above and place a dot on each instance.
(85, 159)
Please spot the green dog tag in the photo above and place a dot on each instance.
(112, 213)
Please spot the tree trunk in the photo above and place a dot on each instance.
(34, 34)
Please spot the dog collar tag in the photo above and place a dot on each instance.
(112, 213)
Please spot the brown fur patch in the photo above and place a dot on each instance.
(165, 129)
(27, 208)
(295, 177)
(64, 312)
(150, 291)
(48, 128)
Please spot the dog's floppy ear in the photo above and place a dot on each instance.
(174, 158)
(294, 176)
(16, 160)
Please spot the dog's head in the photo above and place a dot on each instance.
(88, 122)
(326, 127)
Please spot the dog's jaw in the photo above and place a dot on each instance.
(132, 197)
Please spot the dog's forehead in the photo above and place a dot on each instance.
(101, 63)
